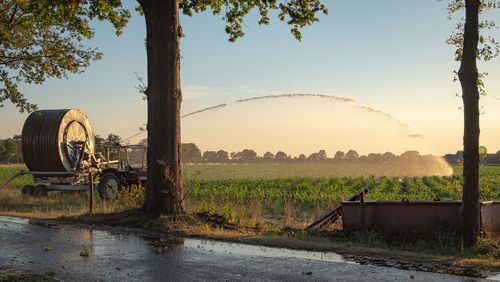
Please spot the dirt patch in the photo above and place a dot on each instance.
(216, 220)
(441, 267)
(20, 165)
(10, 275)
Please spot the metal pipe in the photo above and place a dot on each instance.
(12, 178)
(55, 173)
(91, 187)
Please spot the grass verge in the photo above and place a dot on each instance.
(9, 275)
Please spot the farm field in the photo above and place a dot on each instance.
(270, 194)
(314, 170)
(297, 201)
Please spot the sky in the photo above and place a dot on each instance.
(386, 55)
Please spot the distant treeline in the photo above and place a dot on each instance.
(10, 152)
(458, 158)
(192, 154)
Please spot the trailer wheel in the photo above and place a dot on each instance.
(109, 186)
(40, 191)
(27, 190)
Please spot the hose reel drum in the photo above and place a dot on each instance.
(55, 142)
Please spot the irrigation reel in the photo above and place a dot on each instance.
(58, 149)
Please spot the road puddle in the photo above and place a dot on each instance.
(228, 248)
(120, 254)
(13, 223)
(495, 277)
(14, 220)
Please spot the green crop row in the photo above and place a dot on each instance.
(313, 191)
(310, 192)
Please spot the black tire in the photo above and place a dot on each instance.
(110, 184)
(27, 190)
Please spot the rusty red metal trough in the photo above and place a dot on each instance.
(490, 218)
(415, 217)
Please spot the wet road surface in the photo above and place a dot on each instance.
(75, 254)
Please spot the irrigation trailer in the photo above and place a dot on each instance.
(59, 151)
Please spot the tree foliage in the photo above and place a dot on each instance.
(99, 143)
(268, 156)
(339, 155)
(209, 156)
(489, 47)
(10, 150)
(281, 156)
(190, 153)
(296, 13)
(483, 152)
(222, 156)
(247, 155)
(43, 39)
(351, 155)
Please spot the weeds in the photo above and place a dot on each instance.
(48, 248)
(204, 207)
(129, 198)
(252, 195)
(85, 252)
(288, 211)
(443, 244)
(15, 275)
(229, 214)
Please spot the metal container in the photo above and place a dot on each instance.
(415, 217)
(490, 218)
(410, 217)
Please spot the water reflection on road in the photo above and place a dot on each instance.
(262, 251)
(75, 254)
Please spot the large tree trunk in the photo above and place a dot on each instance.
(468, 75)
(164, 191)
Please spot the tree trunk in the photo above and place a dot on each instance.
(164, 191)
(468, 75)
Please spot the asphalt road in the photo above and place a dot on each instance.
(75, 254)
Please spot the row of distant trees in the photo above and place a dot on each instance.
(485, 158)
(10, 152)
(192, 154)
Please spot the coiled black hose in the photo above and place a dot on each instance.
(44, 143)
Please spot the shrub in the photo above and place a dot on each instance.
(129, 198)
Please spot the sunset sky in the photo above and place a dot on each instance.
(387, 55)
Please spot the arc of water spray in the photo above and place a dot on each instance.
(386, 115)
(392, 119)
(204, 110)
(416, 135)
(336, 98)
(295, 95)
(183, 116)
